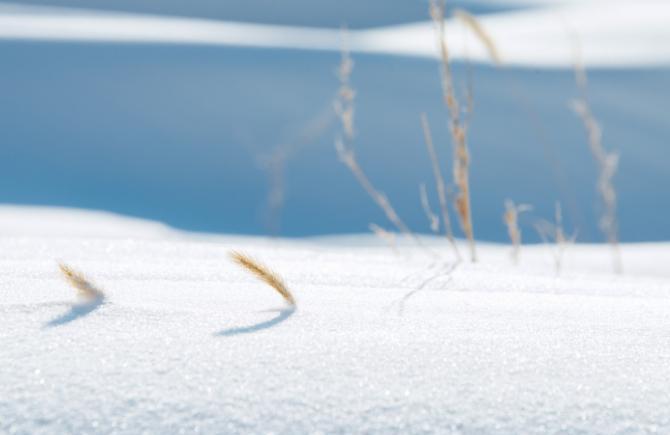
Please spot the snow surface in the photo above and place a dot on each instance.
(622, 34)
(187, 342)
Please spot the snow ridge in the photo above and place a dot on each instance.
(187, 341)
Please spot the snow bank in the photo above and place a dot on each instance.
(28, 221)
(64, 24)
(617, 33)
(187, 342)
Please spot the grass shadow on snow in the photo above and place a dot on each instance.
(443, 271)
(76, 311)
(282, 315)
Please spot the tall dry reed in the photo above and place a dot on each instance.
(606, 162)
(458, 128)
(439, 184)
(344, 108)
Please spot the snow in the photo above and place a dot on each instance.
(187, 342)
(63, 24)
(622, 34)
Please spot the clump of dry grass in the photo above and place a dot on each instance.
(511, 219)
(344, 107)
(439, 184)
(458, 128)
(264, 274)
(85, 289)
(553, 232)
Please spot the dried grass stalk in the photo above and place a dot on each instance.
(344, 107)
(348, 157)
(607, 163)
(433, 220)
(457, 128)
(386, 236)
(473, 24)
(511, 219)
(264, 274)
(275, 164)
(440, 185)
(553, 233)
(85, 289)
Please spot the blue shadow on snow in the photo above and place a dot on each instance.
(282, 315)
(76, 311)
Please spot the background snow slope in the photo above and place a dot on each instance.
(187, 342)
(324, 13)
(624, 34)
(179, 131)
(176, 134)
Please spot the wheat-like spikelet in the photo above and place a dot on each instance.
(264, 274)
(84, 287)
(473, 24)
(458, 130)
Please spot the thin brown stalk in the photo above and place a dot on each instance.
(264, 274)
(511, 219)
(437, 8)
(433, 219)
(385, 235)
(85, 289)
(440, 185)
(348, 157)
(457, 128)
(606, 162)
(275, 164)
(553, 234)
(344, 107)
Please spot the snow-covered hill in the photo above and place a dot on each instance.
(187, 342)
(623, 34)
(162, 111)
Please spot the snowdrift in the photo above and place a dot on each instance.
(186, 341)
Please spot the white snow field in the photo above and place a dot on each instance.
(615, 33)
(186, 342)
